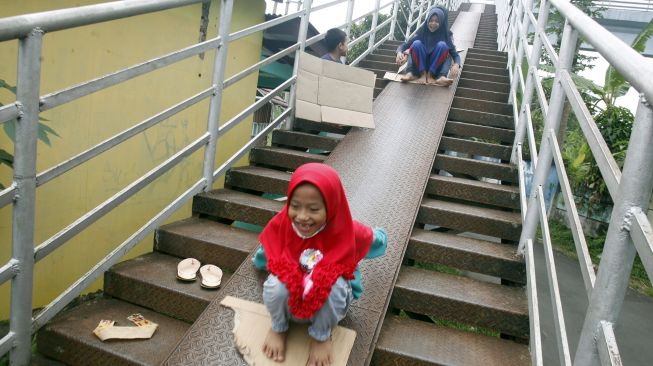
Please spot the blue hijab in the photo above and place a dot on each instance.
(430, 39)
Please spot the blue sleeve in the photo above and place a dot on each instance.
(260, 260)
(455, 56)
(404, 46)
(379, 243)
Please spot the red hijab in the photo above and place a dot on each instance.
(343, 242)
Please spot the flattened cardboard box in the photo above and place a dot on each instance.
(334, 93)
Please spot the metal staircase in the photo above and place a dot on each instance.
(462, 201)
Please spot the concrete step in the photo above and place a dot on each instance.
(478, 148)
(480, 256)
(258, 179)
(481, 95)
(207, 241)
(381, 83)
(503, 56)
(486, 69)
(304, 140)
(388, 51)
(477, 60)
(391, 42)
(462, 217)
(476, 168)
(315, 127)
(378, 65)
(474, 191)
(237, 206)
(462, 129)
(382, 58)
(377, 91)
(284, 159)
(69, 337)
(150, 280)
(388, 47)
(379, 72)
(481, 105)
(399, 345)
(462, 299)
(481, 118)
(469, 80)
(483, 76)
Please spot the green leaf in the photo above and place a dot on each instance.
(4, 85)
(6, 158)
(10, 129)
(639, 44)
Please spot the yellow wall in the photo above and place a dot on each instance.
(74, 56)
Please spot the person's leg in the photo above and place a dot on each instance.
(416, 61)
(275, 298)
(437, 59)
(325, 319)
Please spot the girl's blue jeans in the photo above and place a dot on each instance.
(437, 62)
(275, 298)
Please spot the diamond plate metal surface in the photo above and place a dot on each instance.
(384, 172)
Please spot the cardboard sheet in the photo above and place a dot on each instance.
(334, 93)
(252, 322)
(396, 76)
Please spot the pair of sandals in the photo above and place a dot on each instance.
(211, 275)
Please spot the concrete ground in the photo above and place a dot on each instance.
(634, 329)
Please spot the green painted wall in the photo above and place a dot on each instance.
(77, 55)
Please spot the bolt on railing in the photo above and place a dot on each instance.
(630, 190)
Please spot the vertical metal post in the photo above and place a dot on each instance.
(533, 62)
(567, 47)
(618, 251)
(219, 65)
(395, 13)
(410, 19)
(27, 93)
(514, 34)
(274, 8)
(520, 48)
(375, 21)
(350, 16)
(301, 38)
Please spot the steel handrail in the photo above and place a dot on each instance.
(630, 191)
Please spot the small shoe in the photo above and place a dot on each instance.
(211, 276)
(187, 269)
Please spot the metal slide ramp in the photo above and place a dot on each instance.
(391, 177)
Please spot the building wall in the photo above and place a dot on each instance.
(77, 55)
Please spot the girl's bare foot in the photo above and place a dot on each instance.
(274, 346)
(320, 353)
(442, 81)
(408, 77)
(423, 79)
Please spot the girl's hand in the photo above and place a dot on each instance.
(455, 70)
(401, 58)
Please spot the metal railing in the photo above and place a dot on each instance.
(29, 30)
(629, 232)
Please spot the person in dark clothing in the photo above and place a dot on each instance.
(431, 52)
(336, 42)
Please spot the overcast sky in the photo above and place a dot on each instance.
(332, 16)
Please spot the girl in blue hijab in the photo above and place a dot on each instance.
(429, 50)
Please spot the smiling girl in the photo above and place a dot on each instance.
(311, 249)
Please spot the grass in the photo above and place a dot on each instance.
(456, 325)
(564, 242)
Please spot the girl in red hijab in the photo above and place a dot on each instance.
(311, 249)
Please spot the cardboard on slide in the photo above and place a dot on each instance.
(331, 92)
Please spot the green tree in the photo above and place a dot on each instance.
(44, 132)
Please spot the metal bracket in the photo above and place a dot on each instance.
(643, 100)
(628, 218)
